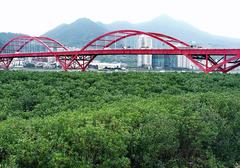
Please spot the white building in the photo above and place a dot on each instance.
(144, 60)
(184, 62)
(17, 62)
(105, 65)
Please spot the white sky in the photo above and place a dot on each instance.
(35, 17)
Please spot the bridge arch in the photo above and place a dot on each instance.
(176, 41)
(18, 43)
(108, 39)
(123, 34)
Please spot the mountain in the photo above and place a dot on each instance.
(76, 34)
(83, 30)
(5, 37)
(187, 32)
(178, 29)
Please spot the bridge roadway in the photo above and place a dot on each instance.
(191, 52)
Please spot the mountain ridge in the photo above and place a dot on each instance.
(83, 30)
(6, 36)
(76, 34)
(162, 24)
(183, 31)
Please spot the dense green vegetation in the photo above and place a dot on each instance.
(59, 119)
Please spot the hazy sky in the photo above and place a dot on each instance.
(35, 17)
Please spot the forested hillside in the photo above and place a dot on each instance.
(76, 34)
(59, 119)
(83, 30)
(5, 37)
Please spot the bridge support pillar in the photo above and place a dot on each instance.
(63, 61)
(80, 62)
(5, 62)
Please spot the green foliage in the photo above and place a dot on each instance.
(119, 120)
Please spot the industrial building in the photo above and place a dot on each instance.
(105, 65)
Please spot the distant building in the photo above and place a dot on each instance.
(144, 61)
(17, 62)
(157, 62)
(154, 61)
(164, 61)
(104, 65)
(184, 63)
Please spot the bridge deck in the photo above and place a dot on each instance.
(127, 52)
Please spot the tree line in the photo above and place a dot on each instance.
(59, 119)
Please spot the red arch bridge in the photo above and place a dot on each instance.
(115, 43)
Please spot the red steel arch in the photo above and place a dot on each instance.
(122, 34)
(20, 42)
(113, 37)
(16, 45)
(170, 39)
